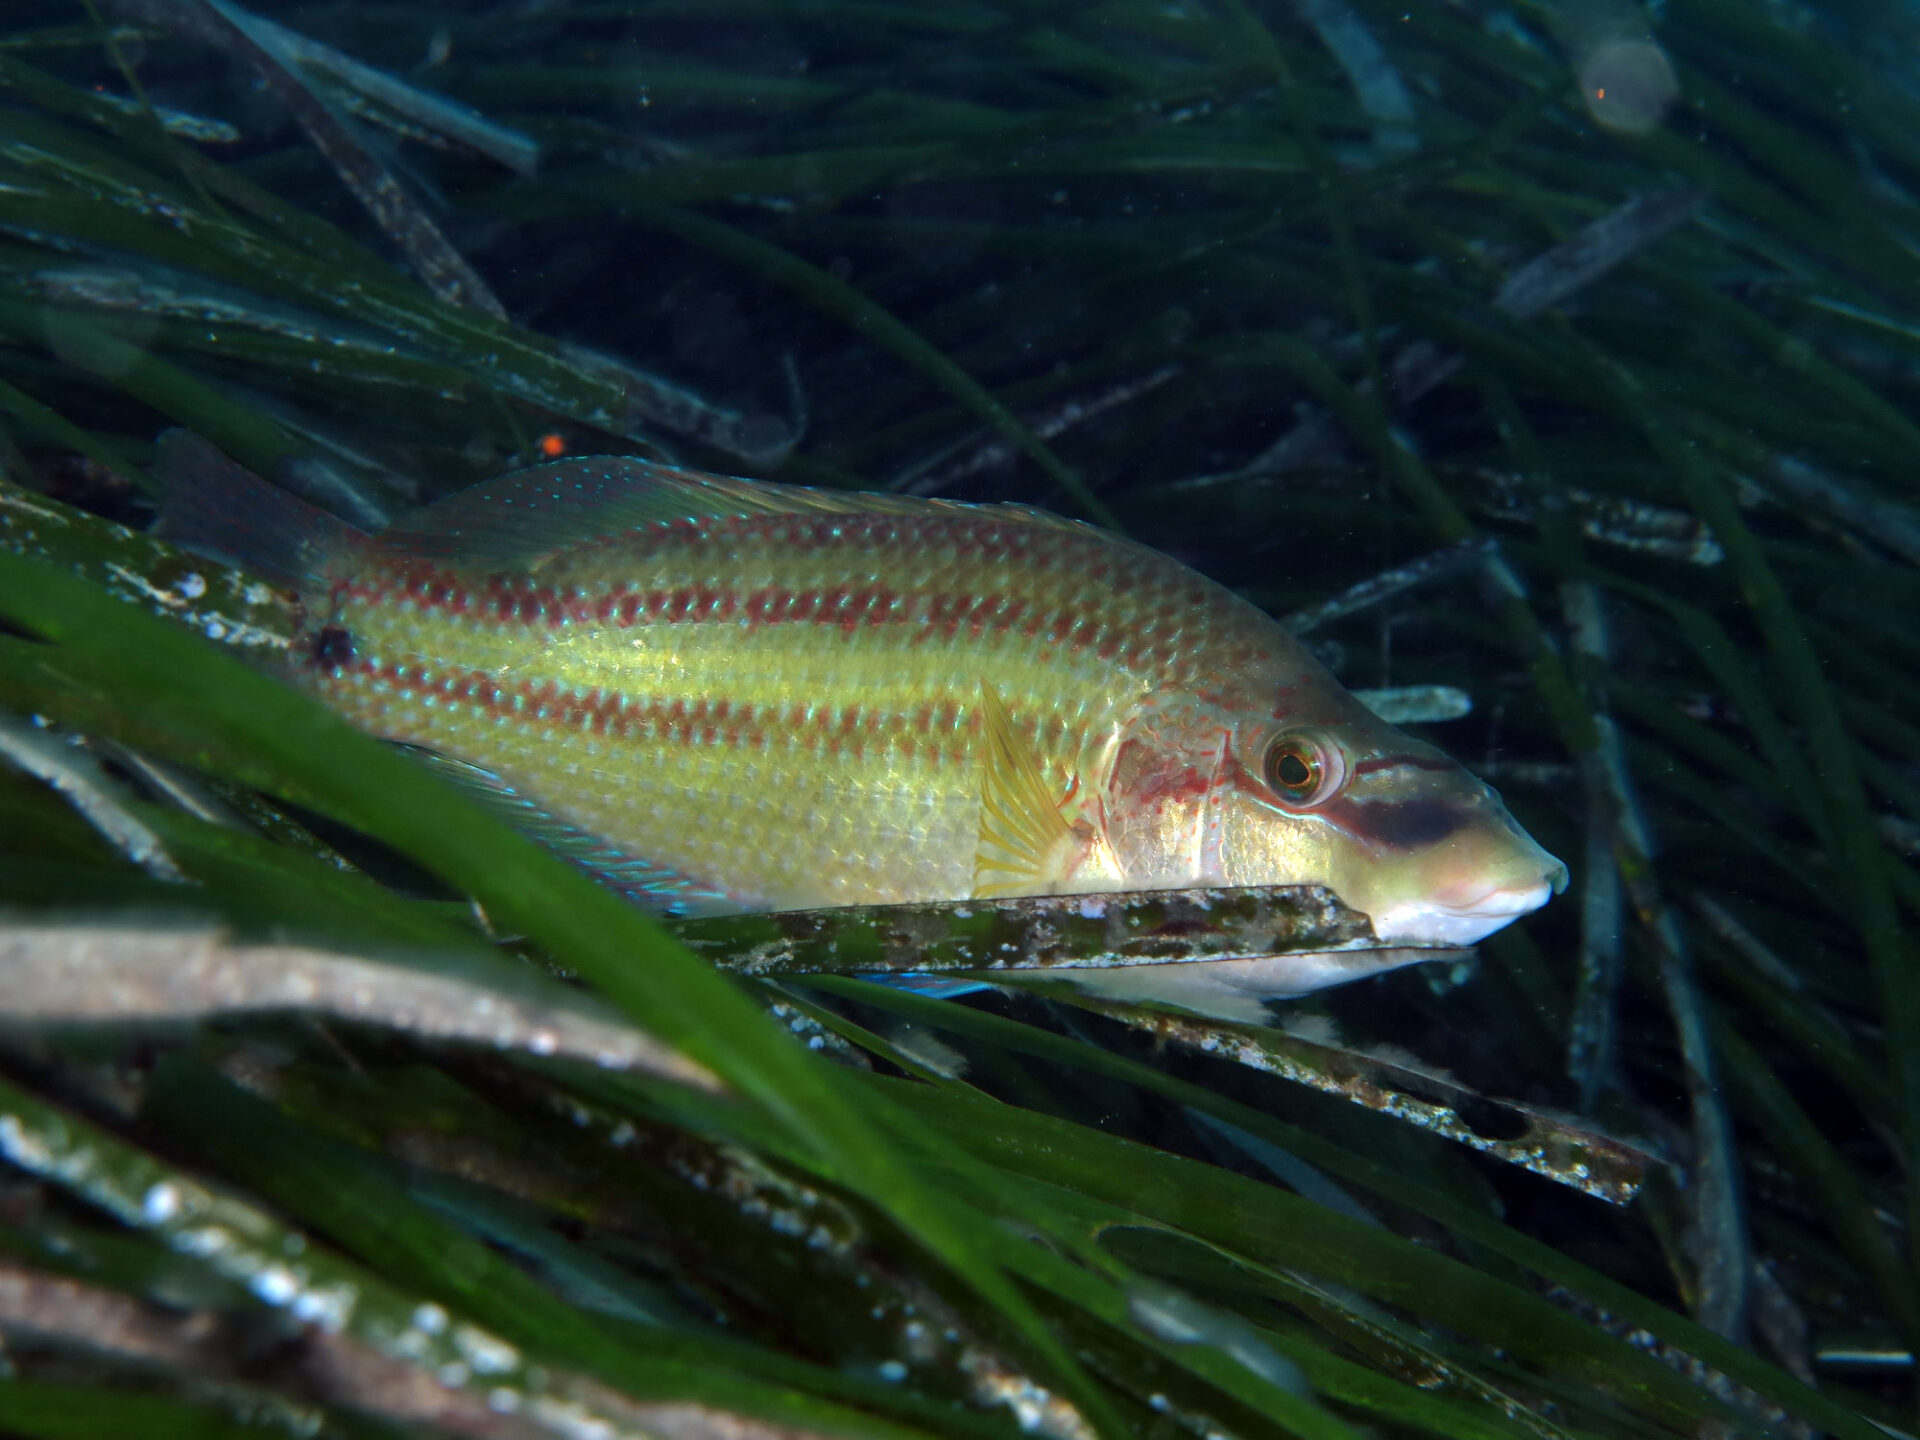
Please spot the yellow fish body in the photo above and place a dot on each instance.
(733, 695)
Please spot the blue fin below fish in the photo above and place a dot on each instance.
(651, 886)
(1237, 990)
(934, 987)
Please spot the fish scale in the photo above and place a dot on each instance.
(806, 733)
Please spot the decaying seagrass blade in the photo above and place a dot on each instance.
(432, 257)
(84, 973)
(1142, 927)
(1562, 1150)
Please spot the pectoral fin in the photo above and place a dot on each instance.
(1024, 839)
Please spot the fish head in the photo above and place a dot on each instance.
(1324, 792)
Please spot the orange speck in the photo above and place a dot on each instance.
(1601, 93)
(552, 445)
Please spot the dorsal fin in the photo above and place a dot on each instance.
(518, 520)
(1022, 831)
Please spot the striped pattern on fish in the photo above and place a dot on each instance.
(828, 690)
(766, 697)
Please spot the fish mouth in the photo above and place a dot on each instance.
(1427, 922)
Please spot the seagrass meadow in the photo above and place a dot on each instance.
(1553, 369)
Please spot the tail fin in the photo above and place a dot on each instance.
(210, 504)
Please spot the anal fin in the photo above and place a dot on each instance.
(651, 886)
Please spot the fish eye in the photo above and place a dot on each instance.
(1304, 771)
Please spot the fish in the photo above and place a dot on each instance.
(725, 695)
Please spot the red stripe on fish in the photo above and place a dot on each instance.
(932, 729)
(847, 608)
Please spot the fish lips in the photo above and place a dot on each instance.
(1429, 922)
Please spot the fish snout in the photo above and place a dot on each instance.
(1558, 877)
(1477, 901)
